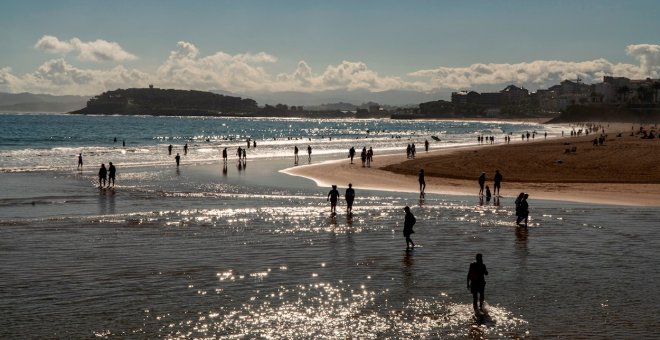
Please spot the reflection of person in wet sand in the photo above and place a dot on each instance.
(333, 195)
(80, 161)
(224, 169)
(422, 182)
(103, 174)
(112, 171)
(476, 282)
(350, 196)
(408, 223)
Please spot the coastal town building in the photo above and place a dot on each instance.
(612, 91)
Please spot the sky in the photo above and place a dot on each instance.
(87, 47)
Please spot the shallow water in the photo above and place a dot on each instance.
(192, 252)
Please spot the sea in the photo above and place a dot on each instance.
(243, 250)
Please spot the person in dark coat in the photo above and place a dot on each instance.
(408, 224)
(476, 282)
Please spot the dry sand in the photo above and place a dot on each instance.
(625, 170)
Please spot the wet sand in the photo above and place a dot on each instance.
(624, 170)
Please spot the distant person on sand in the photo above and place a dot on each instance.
(185, 149)
(422, 182)
(476, 278)
(112, 171)
(169, 149)
(177, 158)
(254, 143)
(370, 156)
(426, 145)
(351, 153)
(333, 195)
(350, 197)
(224, 155)
(523, 211)
(309, 153)
(497, 182)
(244, 155)
(363, 156)
(408, 223)
(482, 182)
(295, 154)
(488, 195)
(239, 153)
(80, 161)
(103, 174)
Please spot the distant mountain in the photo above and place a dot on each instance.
(29, 102)
(391, 98)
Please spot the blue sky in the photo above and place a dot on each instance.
(374, 45)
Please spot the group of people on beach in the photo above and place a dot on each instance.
(107, 174)
(349, 196)
(497, 183)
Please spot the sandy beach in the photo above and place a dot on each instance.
(624, 170)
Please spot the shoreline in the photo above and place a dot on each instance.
(397, 173)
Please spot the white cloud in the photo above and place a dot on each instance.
(542, 73)
(187, 68)
(648, 56)
(97, 50)
(56, 76)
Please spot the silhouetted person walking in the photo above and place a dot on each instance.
(422, 183)
(103, 174)
(80, 161)
(426, 145)
(169, 149)
(351, 153)
(408, 223)
(244, 155)
(482, 182)
(523, 211)
(497, 182)
(333, 195)
(112, 172)
(363, 156)
(476, 282)
(177, 158)
(224, 155)
(350, 197)
(309, 153)
(185, 149)
(295, 154)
